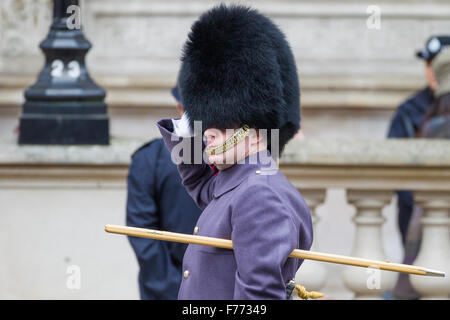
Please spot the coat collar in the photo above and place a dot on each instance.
(230, 178)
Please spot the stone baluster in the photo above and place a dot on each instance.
(368, 283)
(312, 274)
(435, 247)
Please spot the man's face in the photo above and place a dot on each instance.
(215, 137)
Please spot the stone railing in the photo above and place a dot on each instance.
(55, 201)
(370, 171)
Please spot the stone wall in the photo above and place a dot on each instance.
(352, 76)
(55, 201)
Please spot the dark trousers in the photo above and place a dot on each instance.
(405, 210)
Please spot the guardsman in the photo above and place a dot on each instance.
(238, 78)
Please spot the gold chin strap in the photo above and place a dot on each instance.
(237, 137)
(303, 294)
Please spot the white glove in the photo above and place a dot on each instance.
(181, 127)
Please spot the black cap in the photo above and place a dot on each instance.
(434, 45)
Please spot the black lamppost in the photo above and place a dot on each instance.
(64, 106)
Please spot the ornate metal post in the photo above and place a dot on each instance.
(64, 106)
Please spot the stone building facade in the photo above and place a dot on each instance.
(356, 63)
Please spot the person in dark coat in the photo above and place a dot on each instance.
(407, 123)
(238, 76)
(408, 119)
(157, 200)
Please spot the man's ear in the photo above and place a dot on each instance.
(180, 109)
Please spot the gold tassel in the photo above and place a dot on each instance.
(303, 294)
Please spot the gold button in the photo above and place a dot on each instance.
(186, 273)
(195, 230)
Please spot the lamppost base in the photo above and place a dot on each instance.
(64, 129)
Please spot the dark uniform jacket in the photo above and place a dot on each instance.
(157, 200)
(409, 115)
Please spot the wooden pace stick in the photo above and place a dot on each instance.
(296, 253)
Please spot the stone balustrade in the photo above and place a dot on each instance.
(55, 201)
(370, 171)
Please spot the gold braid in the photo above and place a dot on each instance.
(237, 137)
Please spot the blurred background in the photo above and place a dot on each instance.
(357, 64)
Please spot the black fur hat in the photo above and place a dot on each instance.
(237, 68)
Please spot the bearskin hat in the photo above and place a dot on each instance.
(237, 68)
